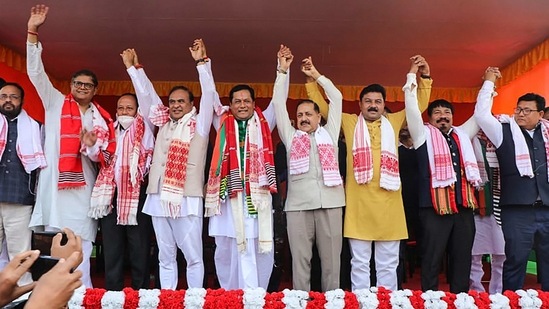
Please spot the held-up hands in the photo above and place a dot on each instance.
(492, 74)
(419, 64)
(285, 58)
(309, 69)
(198, 51)
(37, 17)
(129, 57)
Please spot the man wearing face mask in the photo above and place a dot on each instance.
(315, 188)
(448, 174)
(79, 138)
(21, 157)
(176, 178)
(522, 147)
(242, 178)
(374, 210)
(119, 192)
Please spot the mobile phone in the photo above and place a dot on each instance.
(42, 241)
(42, 265)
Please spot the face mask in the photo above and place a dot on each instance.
(125, 121)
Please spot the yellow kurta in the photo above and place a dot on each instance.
(372, 213)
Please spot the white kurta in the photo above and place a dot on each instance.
(59, 208)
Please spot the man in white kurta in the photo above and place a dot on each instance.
(179, 226)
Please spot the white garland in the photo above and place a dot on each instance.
(529, 299)
(77, 298)
(433, 300)
(113, 300)
(195, 298)
(148, 299)
(465, 301)
(367, 298)
(401, 299)
(295, 299)
(335, 299)
(499, 301)
(254, 298)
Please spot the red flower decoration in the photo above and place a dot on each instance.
(384, 298)
(482, 300)
(416, 300)
(131, 301)
(274, 301)
(544, 296)
(350, 301)
(513, 299)
(449, 298)
(317, 300)
(92, 298)
(169, 299)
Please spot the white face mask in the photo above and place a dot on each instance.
(125, 121)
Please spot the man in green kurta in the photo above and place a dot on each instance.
(374, 211)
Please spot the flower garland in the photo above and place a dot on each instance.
(198, 298)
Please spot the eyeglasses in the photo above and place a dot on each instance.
(78, 84)
(12, 97)
(525, 111)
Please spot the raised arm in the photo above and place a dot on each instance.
(207, 87)
(35, 68)
(280, 97)
(470, 127)
(483, 109)
(285, 57)
(411, 108)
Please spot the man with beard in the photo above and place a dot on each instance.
(374, 210)
(522, 147)
(79, 138)
(448, 173)
(21, 156)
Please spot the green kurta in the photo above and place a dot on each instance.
(372, 213)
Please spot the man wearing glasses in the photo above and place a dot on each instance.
(522, 147)
(21, 156)
(79, 136)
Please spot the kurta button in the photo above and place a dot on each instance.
(163, 164)
(7, 172)
(9, 160)
(455, 163)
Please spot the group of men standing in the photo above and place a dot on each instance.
(92, 167)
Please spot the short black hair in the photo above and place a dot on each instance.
(191, 95)
(439, 103)
(85, 72)
(2, 82)
(373, 88)
(241, 87)
(16, 85)
(131, 95)
(315, 106)
(540, 101)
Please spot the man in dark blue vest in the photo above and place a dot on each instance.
(522, 143)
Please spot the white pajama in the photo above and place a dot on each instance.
(386, 259)
(488, 240)
(14, 230)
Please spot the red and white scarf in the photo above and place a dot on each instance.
(71, 173)
(299, 156)
(440, 158)
(225, 180)
(175, 174)
(363, 163)
(134, 156)
(491, 157)
(522, 153)
(28, 144)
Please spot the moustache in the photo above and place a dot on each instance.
(304, 122)
(372, 109)
(443, 119)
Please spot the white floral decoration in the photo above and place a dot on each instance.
(295, 299)
(113, 300)
(77, 298)
(529, 299)
(433, 300)
(254, 298)
(367, 299)
(195, 298)
(401, 299)
(499, 301)
(335, 299)
(148, 299)
(465, 301)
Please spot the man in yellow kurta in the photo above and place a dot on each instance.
(375, 212)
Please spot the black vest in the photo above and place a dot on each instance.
(517, 190)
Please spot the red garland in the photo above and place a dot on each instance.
(513, 299)
(350, 301)
(169, 299)
(131, 301)
(317, 300)
(416, 300)
(223, 299)
(274, 301)
(92, 298)
(449, 298)
(384, 298)
(482, 299)
(544, 297)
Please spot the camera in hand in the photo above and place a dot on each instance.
(42, 265)
(42, 241)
